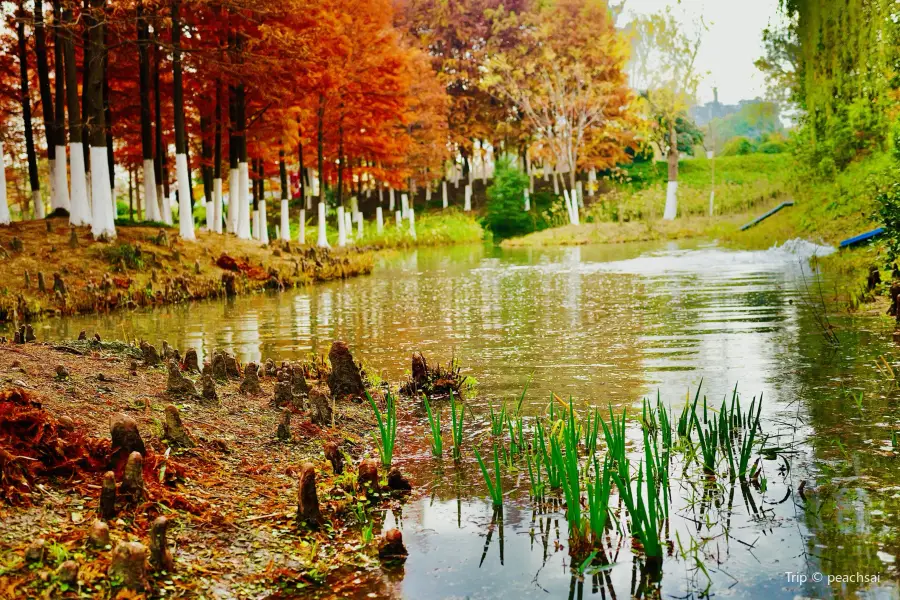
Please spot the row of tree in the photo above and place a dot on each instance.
(350, 95)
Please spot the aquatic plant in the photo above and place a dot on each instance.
(598, 492)
(497, 419)
(495, 486)
(387, 428)
(456, 427)
(614, 433)
(552, 468)
(642, 503)
(434, 422)
(533, 461)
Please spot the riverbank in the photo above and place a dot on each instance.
(48, 268)
(221, 460)
(824, 212)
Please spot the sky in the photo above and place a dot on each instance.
(732, 42)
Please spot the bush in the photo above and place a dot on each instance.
(889, 211)
(772, 147)
(506, 216)
(738, 146)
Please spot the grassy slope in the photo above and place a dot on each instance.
(745, 186)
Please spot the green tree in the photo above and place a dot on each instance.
(664, 67)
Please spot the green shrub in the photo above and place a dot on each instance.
(772, 147)
(124, 256)
(506, 216)
(738, 146)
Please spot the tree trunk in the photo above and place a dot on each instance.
(102, 222)
(320, 141)
(243, 167)
(301, 172)
(233, 174)
(152, 212)
(217, 162)
(285, 228)
(671, 209)
(107, 113)
(40, 48)
(160, 167)
(182, 168)
(80, 212)
(59, 175)
(25, 98)
(86, 65)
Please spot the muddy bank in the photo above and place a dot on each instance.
(47, 267)
(125, 467)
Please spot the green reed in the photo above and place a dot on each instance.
(533, 461)
(498, 420)
(456, 427)
(387, 428)
(434, 422)
(495, 486)
(642, 503)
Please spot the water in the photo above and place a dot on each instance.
(608, 325)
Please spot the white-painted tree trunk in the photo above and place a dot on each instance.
(527, 201)
(285, 222)
(412, 223)
(342, 224)
(555, 185)
(254, 224)
(379, 220)
(575, 200)
(242, 198)
(234, 195)
(151, 204)
(359, 225)
(531, 183)
(546, 168)
(444, 194)
(80, 213)
(51, 183)
(348, 226)
(671, 201)
(712, 202)
(60, 180)
(592, 181)
(301, 236)
(322, 242)
(167, 209)
(467, 206)
(428, 192)
(390, 198)
(217, 205)
(579, 196)
(278, 232)
(37, 204)
(263, 222)
(101, 217)
(404, 205)
(4, 205)
(185, 218)
(398, 217)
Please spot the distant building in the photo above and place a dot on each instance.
(705, 113)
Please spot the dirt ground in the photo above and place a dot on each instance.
(48, 267)
(231, 500)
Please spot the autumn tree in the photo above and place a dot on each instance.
(567, 77)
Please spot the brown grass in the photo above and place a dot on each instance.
(139, 269)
